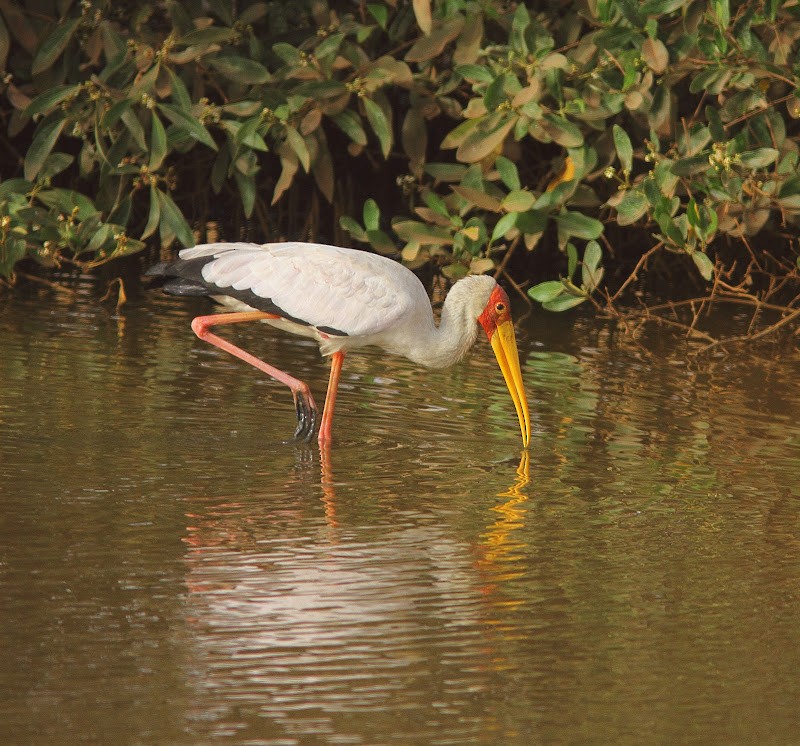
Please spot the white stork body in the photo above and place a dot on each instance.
(344, 299)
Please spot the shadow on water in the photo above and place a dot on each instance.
(173, 567)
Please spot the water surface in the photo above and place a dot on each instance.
(174, 569)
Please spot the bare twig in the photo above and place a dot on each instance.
(751, 337)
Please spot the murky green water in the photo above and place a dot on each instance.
(173, 570)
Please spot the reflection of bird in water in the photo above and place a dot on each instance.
(344, 299)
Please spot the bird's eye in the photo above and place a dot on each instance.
(500, 307)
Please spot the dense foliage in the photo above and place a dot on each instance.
(456, 131)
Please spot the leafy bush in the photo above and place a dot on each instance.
(500, 125)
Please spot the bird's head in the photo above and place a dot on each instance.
(496, 322)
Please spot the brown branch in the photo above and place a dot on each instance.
(633, 275)
(751, 337)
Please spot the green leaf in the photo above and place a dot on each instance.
(592, 255)
(508, 172)
(505, 224)
(562, 131)
(14, 186)
(704, 265)
(298, 144)
(572, 259)
(632, 206)
(591, 271)
(436, 203)
(723, 13)
(518, 200)
(350, 123)
(247, 191)
(134, 126)
(379, 12)
(53, 46)
(381, 242)
(564, 303)
(546, 291)
(188, 124)
(180, 95)
(447, 172)
(206, 37)
(480, 143)
(579, 225)
(47, 101)
(477, 197)
(329, 46)
(158, 143)
(353, 228)
(173, 224)
(495, 93)
(47, 133)
(65, 200)
(689, 166)
(240, 70)
(380, 125)
(372, 215)
(624, 148)
(758, 158)
(154, 216)
(12, 251)
(474, 73)
(55, 164)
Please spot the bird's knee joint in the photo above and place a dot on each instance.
(199, 326)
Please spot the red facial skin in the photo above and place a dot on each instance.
(497, 310)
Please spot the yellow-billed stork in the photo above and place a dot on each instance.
(344, 299)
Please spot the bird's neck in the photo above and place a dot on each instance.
(445, 344)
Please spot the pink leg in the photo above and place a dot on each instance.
(330, 400)
(303, 401)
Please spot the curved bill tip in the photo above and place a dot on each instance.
(504, 344)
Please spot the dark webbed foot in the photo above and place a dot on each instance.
(306, 416)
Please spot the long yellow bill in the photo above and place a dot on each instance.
(504, 344)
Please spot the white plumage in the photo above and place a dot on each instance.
(345, 299)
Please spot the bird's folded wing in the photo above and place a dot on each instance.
(331, 288)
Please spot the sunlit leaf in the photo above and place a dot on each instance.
(422, 11)
(655, 55)
(479, 144)
(546, 291)
(477, 197)
(563, 303)
(503, 226)
(298, 144)
(353, 228)
(433, 44)
(372, 215)
(703, 264)
(758, 158)
(508, 172)
(518, 200)
(562, 131)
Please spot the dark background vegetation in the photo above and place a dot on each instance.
(641, 157)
